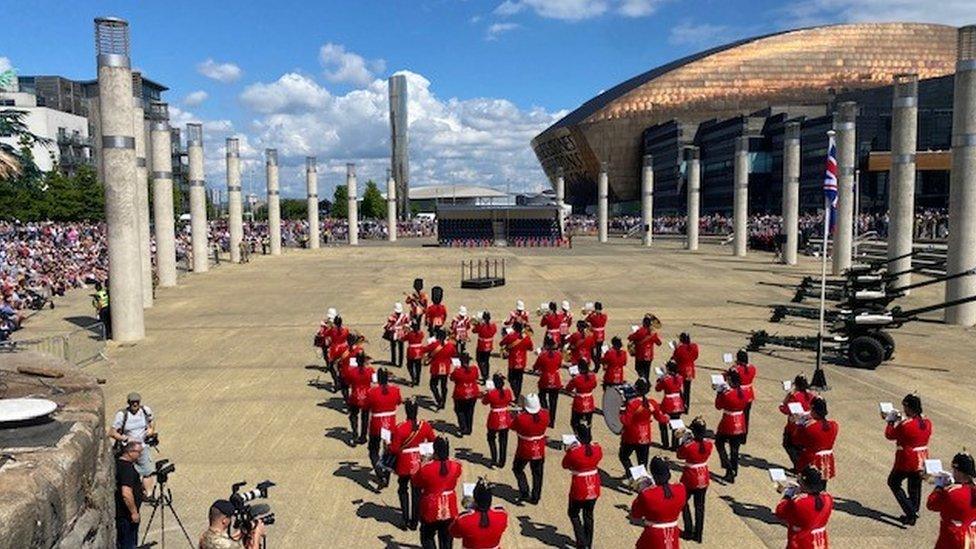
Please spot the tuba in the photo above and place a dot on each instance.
(655, 321)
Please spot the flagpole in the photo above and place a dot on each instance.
(819, 379)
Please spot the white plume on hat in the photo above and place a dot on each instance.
(532, 404)
(462, 310)
(398, 307)
(565, 305)
(519, 305)
(331, 313)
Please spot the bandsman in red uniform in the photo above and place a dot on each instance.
(486, 330)
(670, 384)
(686, 354)
(530, 426)
(582, 459)
(382, 402)
(551, 320)
(436, 312)
(636, 416)
(547, 365)
(800, 394)
(417, 300)
(337, 345)
(732, 401)
(440, 353)
(657, 508)
(644, 340)
(956, 505)
(581, 386)
(466, 393)
(747, 375)
(911, 432)
(482, 526)
(323, 338)
(359, 378)
(415, 351)
(815, 438)
(405, 445)
(519, 314)
(461, 328)
(597, 321)
(394, 330)
(581, 343)
(805, 512)
(565, 322)
(695, 451)
(614, 362)
(515, 346)
(498, 399)
(437, 481)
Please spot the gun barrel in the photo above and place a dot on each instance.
(935, 280)
(911, 313)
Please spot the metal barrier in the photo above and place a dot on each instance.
(77, 347)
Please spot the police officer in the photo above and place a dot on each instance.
(101, 304)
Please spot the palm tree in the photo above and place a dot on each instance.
(12, 161)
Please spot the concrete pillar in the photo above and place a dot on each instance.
(647, 200)
(791, 191)
(142, 190)
(901, 189)
(274, 201)
(235, 208)
(844, 125)
(353, 204)
(602, 203)
(740, 197)
(400, 157)
(962, 183)
(693, 173)
(119, 165)
(312, 184)
(199, 240)
(162, 175)
(561, 199)
(391, 208)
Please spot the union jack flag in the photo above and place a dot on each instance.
(830, 182)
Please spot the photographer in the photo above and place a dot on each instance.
(128, 496)
(219, 535)
(136, 423)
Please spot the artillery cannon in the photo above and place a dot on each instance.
(878, 297)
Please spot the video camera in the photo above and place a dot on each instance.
(246, 515)
(163, 469)
(151, 440)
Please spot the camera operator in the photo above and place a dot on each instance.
(128, 496)
(136, 423)
(219, 536)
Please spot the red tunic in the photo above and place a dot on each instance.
(817, 446)
(636, 420)
(440, 357)
(337, 349)
(732, 403)
(397, 324)
(465, 383)
(486, 335)
(747, 375)
(598, 323)
(804, 398)
(358, 379)
(644, 342)
(584, 468)
(438, 499)
(467, 527)
(531, 431)
(518, 347)
(695, 455)
(405, 443)
(565, 321)
(382, 408)
(551, 322)
(582, 386)
(522, 317)
(436, 315)
(581, 347)
(958, 527)
(912, 436)
(614, 361)
(671, 386)
(461, 328)
(660, 516)
(415, 344)
(685, 354)
(547, 365)
(417, 302)
(498, 401)
(806, 527)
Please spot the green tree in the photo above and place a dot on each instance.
(294, 208)
(340, 205)
(373, 206)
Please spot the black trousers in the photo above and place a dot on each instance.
(686, 396)
(792, 450)
(498, 446)
(626, 450)
(413, 368)
(747, 412)
(643, 368)
(374, 459)
(548, 398)
(581, 515)
(536, 465)
(435, 535)
(483, 358)
(909, 503)
(409, 500)
(464, 410)
(577, 418)
(515, 380)
(666, 432)
(105, 317)
(438, 389)
(693, 528)
(728, 452)
(597, 354)
(396, 352)
(336, 378)
(359, 422)
(461, 347)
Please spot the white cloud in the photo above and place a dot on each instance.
(348, 67)
(577, 10)
(195, 98)
(949, 12)
(221, 72)
(637, 8)
(699, 34)
(497, 29)
(292, 93)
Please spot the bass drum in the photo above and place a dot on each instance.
(613, 399)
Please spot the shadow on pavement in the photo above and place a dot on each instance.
(380, 513)
(357, 473)
(394, 544)
(855, 508)
(470, 456)
(750, 510)
(341, 434)
(547, 534)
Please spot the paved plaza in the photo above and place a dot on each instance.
(225, 366)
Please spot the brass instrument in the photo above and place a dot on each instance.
(631, 347)
(655, 321)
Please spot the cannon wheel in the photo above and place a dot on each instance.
(865, 352)
(886, 341)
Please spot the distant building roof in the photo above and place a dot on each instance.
(432, 192)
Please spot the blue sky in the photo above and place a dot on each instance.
(485, 76)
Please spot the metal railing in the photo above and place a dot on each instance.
(78, 347)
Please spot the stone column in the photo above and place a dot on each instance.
(162, 175)
(602, 202)
(740, 198)
(844, 124)
(391, 208)
(199, 240)
(561, 199)
(142, 190)
(693, 173)
(353, 204)
(119, 168)
(901, 189)
(962, 183)
(791, 191)
(274, 201)
(312, 184)
(647, 200)
(235, 208)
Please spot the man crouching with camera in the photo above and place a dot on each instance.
(220, 536)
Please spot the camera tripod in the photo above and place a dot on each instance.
(164, 500)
